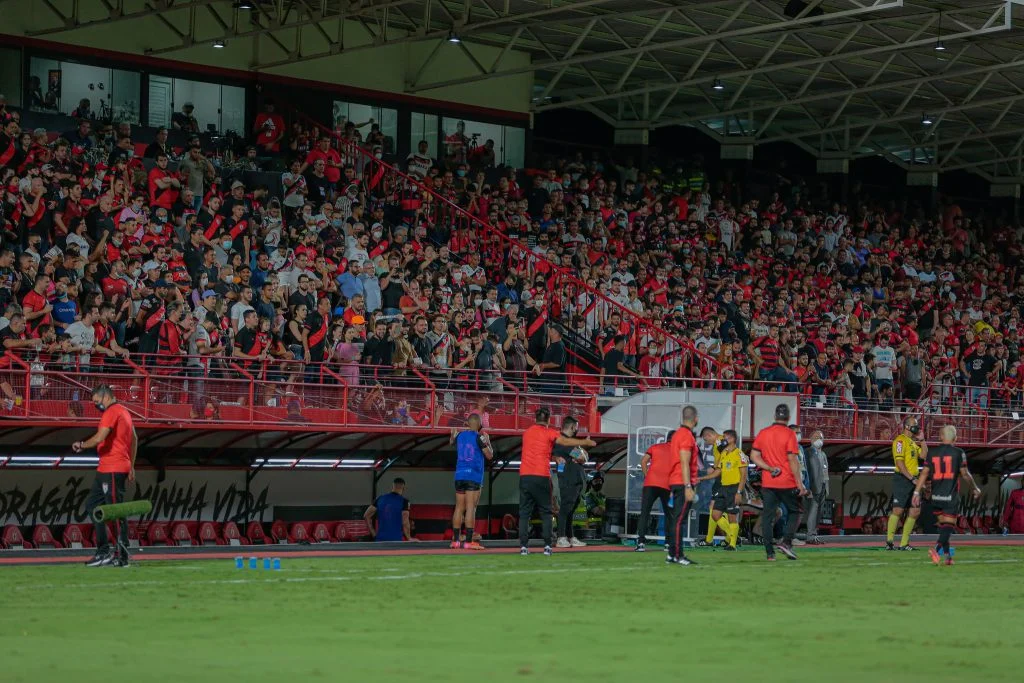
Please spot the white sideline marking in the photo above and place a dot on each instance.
(320, 579)
(882, 564)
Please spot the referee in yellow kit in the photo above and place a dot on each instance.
(730, 471)
(908, 449)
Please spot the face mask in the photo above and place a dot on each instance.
(442, 282)
(99, 406)
(229, 278)
(136, 272)
(818, 443)
(377, 234)
(226, 244)
(477, 302)
(157, 228)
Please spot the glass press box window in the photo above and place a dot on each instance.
(424, 127)
(196, 106)
(483, 144)
(74, 89)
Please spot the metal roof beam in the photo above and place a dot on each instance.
(857, 9)
(915, 41)
(894, 119)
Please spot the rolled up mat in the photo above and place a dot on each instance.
(109, 513)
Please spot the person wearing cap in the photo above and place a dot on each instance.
(776, 452)
(184, 119)
(235, 198)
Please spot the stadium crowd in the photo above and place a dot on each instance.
(116, 248)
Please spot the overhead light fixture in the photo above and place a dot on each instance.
(453, 37)
(939, 45)
(926, 120)
(718, 85)
(243, 4)
(219, 44)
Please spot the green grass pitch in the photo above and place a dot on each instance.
(834, 615)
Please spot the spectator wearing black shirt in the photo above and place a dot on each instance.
(551, 368)
(420, 344)
(247, 344)
(304, 295)
(613, 365)
(318, 186)
(391, 293)
(378, 347)
(979, 367)
(158, 146)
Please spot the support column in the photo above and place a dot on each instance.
(636, 138)
(836, 165)
(927, 178)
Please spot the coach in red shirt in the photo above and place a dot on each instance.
(682, 476)
(776, 452)
(656, 464)
(116, 443)
(535, 476)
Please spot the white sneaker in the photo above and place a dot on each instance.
(577, 543)
(797, 541)
(563, 542)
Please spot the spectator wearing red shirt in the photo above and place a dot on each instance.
(776, 452)
(164, 186)
(269, 129)
(330, 157)
(35, 305)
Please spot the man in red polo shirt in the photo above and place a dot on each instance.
(656, 464)
(682, 477)
(117, 444)
(535, 476)
(776, 452)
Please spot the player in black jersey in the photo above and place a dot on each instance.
(944, 466)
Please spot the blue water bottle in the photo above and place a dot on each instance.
(277, 564)
(266, 563)
(252, 563)
(239, 562)
(561, 466)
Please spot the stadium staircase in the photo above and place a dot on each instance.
(566, 294)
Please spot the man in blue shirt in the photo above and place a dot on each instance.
(65, 309)
(349, 282)
(471, 448)
(392, 512)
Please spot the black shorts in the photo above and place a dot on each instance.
(902, 491)
(465, 486)
(724, 499)
(946, 503)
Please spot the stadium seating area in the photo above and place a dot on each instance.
(201, 294)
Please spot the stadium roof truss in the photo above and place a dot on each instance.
(850, 78)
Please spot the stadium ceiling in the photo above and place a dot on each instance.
(923, 83)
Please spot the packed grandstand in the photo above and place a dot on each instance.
(312, 261)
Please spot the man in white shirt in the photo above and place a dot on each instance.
(241, 307)
(83, 336)
(419, 162)
(294, 184)
(290, 277)
(885, 361)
